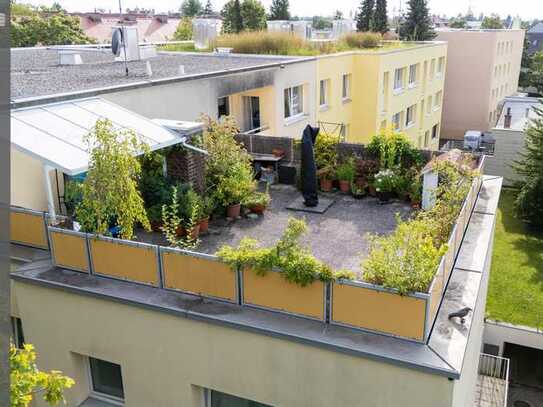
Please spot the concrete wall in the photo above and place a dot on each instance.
(477, 66)
(165, 359)
(497, 333)
(509, 145)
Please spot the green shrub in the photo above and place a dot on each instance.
(326, 155)
(362, 39)
(73, 195)
(393, 149)
(346, 171)
(262, 42)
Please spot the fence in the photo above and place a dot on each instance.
(350, 303)
(493, 385)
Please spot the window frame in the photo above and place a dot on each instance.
(323, 93)
(398, 89)
(437, 100)
(17, 332)
(436, 135)
(399, 122)
(206, 397)
(227, 103)
(97, 394)
(413, 110)
(290, 92)
(414, 83)
(440, 67)
(346, 87)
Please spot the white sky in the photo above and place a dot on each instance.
(526, 9)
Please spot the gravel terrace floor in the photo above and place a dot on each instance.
(338, 237)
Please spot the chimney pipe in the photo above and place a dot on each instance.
(507, 119)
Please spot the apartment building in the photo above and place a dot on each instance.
(483, 68)
(401, 87)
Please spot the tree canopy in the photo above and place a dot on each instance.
(26, 380)
(248, 15)
(279, 10)
(417, 25)
(492, 22)
(208, 9)
(364, 18)
(231, 14)
(191, 8)
(183, 32)
(458, 22)
(380, 18)
(535, 75)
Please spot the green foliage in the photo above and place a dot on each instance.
(257, 198)
(457, 23)
(229, 172)
(294, 261)
(58, 29)
(535, 76)
(110, 190)
(321, 23)
(232, 20)
(326, 156)
(364, 18)
(73, 195)
(253, 15)
(346, 171)
(183, 31)
(385, 181)
(208, 9)
(529, 200)
(417, 25)
(363, 40)
(525, 65)
(21, 9)
(279, 10)
(191, 8)
(492, 22)
(182, 214)
(380, 18)
(393, 149)
(27, 380)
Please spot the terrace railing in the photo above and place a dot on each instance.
(355, 304)
(493, 384)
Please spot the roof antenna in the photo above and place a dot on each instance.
(115, 39)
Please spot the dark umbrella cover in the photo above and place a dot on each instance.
(309, 168)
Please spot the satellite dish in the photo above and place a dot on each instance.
(116, 41)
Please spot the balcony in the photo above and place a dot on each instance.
(493, 381)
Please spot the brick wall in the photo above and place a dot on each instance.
(187, 166)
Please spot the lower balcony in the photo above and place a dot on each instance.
(493, 381)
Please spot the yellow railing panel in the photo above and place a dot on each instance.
(197, 275)
(124, 261)
(379, 311)
(69, 251)
(28, 228)
(273, 291)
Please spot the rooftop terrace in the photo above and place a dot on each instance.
(37, 72)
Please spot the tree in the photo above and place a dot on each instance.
(525, 65)
(27, 380)
(457, 23)
(208, 9)
(19, 9)
(253, 15)
(364, 18)
(536, 72)
(111, 197)
(529, 201)
(417, 25)
(492, 22)
(380, 18)
(231, 14)
(58, 29)
(191, 8)
(321, 23)
(279, 10)
(183, 31)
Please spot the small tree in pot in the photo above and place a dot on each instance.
(326, 159)
(345, 174)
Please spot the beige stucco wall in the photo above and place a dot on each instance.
(165, 359)
(498, 333)
(473, 57)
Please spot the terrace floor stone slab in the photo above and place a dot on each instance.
(299, 205)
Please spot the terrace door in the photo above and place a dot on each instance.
(251, 112)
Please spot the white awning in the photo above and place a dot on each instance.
(53, 133)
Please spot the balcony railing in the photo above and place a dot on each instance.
(493, 381)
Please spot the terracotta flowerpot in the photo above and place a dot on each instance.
(204, 225)
(372, 190)
(181, 231)
(384, 196)
(415, 204)
(326, 184)
(233, 211)
(344, 186)
(258, 209)
(156, 225)
(195, 232)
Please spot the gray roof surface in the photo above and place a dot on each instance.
(443, 354)
(536, 29)
(36, 71)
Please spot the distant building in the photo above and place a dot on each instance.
(535, 37)
(483, 68)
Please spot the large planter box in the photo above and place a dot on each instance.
(200, 274)
(273, 292)
(370, 307)
(124, 259)
(27, 227)
(69, 249)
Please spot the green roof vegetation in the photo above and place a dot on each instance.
(277, 43)
(515, 293)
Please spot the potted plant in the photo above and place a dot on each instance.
(385, 182)
(257, 202)
(326, 159)
(234, 187)
(358, 189)
(191, 212)
(403, 183)
(154, 213)
(326, 177)
(345, 175)
(208, 206)
(366, 170)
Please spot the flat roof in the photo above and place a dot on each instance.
(36, 71)
(521, 109)
(443, 354)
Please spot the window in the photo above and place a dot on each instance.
(410, 115)
(396, 121)
(223, 107)
(413, 75)
(429, 105)
(435, 131)
(384, 96)
(215, 398)
(293, 101)
(17, 332)
(490, 117)
(437, 100)
(432, 68)
(323, 93)
(346, 87)
(398, 79)
(440, 66)
(426, 138)
(106, 378)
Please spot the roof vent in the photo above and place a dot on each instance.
(69, 58)
(507, 119)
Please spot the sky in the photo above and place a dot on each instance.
(526, 9)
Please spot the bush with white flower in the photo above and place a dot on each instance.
(385, 181)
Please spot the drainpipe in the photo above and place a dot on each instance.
(49, 190)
